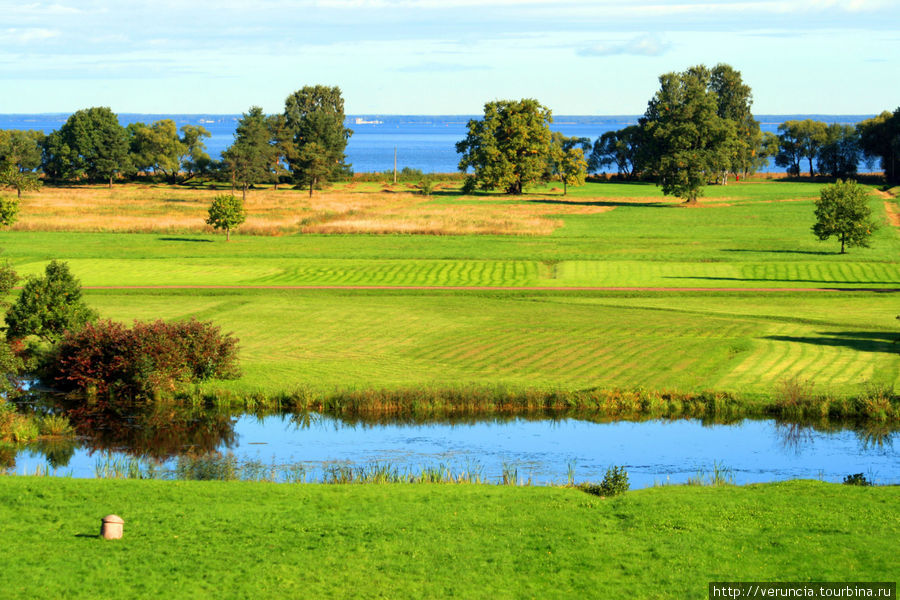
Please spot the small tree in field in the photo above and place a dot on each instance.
(226, 212)
(842, 210)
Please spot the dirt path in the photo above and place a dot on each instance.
(891, 209)
(474, 288)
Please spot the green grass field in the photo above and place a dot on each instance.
(258, 540)
(748, 235)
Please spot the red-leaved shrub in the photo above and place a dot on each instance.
(146, 361)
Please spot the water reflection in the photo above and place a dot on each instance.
(194, 442)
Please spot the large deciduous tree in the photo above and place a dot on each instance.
(508, 148)
(623, 149)
(314, 118)
(879, 138)
(799, 140)
(250, 156)
(688, 141)
(90, 143)
(156, 147)
(734, 102)
(194, 160)
(839, 153)
(842, 210)
(21, 149)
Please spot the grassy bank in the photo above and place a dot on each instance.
(213, 539)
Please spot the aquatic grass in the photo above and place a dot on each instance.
(718, 475)
(55, 425)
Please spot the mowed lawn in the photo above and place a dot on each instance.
(748, 235)
(260, 540)
(746, 343)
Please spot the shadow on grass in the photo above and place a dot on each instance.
(863, 341)
(95, 536)
(829, 284)
(603, 203)
(814, 252)
(178, 239)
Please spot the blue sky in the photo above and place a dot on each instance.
(441, 56)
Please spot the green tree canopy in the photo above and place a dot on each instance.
(21, 181)
(688, 142)
(48, 305)
(21, 149)
(90, 143)
(799, 140)
(194, 159)
(509, 147)
(226, 212)
(566, 160)
(879, 138)
(624, 149)
(156, 147)
(842, 210)
(314, 118)
(250, 156)
(839, 153)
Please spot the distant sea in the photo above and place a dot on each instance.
(426, 142)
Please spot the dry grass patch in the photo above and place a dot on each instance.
(893, 217)
(172, 209)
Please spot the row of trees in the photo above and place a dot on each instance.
(306, 144)
(698, 129)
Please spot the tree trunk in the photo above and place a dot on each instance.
(811, 173)
(244, 192)
(842, 244)
(110, 181)
(227, 234)
(565, 188)
(312, 182)
(19, 193)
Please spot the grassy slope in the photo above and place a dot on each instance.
(748, 235)
(213, 539)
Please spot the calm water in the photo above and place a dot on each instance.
(652, 452)
(422, 142)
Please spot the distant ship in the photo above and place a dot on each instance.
(361, 121)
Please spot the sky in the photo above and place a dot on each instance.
(578, 57)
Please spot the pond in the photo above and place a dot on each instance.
(541, 451)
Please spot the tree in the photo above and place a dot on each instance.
(156, 147)
(623, 148)
(282, 142)
(21, 149)
(314, 118)
(21, 181)
(194, 159)
(688, 142)
(799, 140)
(509, 147)
(250, 156)
(49, 305)
(839, 153)
(842, 210)
(879, 138)
(226, 212)
(90, 143)
(9, 212)
(734, 102)
(566, 160)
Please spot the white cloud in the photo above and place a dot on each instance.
(642, 45)
(26, 35)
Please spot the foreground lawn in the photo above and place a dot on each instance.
(252, 540)
(744, 343)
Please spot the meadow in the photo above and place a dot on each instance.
(263, 540)
(743, 238)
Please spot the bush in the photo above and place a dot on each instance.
(857, 479)
(614, 483)
(48, 305)
(9, 211)
(149, 360)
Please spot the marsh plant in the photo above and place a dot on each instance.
(719, 475)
